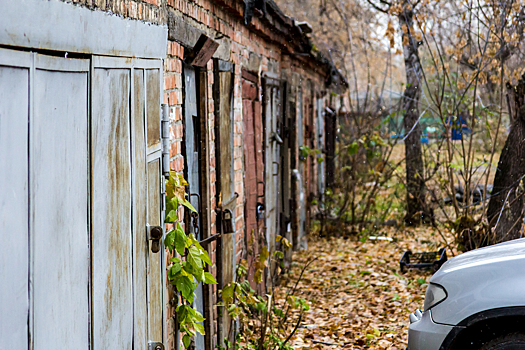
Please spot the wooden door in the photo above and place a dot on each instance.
(79, 181)
(44, 259)
(15, 68)
(254, 171)
(126, 197)
(224, 105)
(300, 242)
(192, 159)
(272, 143)
(59, 212)
(321, 182)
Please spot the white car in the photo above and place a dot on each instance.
(475, 301)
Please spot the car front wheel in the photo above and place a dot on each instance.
(513, 341)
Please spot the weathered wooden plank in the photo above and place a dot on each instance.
(14, 242)
(153, 109)
(226, 133)
(155, 259)
(111, 210)
(209, 295)
(321, 146)
(140, 243)
(59, 210)
(270, 190)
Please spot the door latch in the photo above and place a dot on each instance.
(154, 235)
(155, 346)
(227, 221)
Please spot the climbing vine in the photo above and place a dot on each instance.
(265, 324)
(188, 260)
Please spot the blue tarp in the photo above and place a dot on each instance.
(458, 127)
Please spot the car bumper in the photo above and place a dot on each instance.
(424, 334)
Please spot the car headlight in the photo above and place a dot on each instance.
(435, 294)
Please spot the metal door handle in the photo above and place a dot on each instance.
(277, 138)
(260, 182)
(155, 346)
(198, 200)
(154, 234)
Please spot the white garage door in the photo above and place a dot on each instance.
(80, 180)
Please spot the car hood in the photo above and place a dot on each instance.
(496, 254)
(482, 279)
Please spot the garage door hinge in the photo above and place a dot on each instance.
(165, 124)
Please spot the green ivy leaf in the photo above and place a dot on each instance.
(186, 286)
(205, 257)
(200, 328)
(174, 270)
(194, 258)
(180, 239)
(186, 340)
(171, 216)
(197, 316)
(209, 279)
(188, 205)
(352, 148)
(227, 293)
(199, 276)
(169, 239)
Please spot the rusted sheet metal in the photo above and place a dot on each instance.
(155, 259)
(14, 243)
(27, 23)
(140, 243)
(59, 209)
(111, 210)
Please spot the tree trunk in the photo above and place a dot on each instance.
(506, 206)
(417, 210)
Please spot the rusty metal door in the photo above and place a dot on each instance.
(192, 158)
(272, 142)
(126, 196)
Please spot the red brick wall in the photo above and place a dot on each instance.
(218, 18)
(145, 10)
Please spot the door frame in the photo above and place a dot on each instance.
(205, 217)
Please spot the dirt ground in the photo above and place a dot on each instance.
(358, 297)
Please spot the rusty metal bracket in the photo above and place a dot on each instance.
(235, 196)
(210, 239)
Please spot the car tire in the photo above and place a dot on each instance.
(512, 341)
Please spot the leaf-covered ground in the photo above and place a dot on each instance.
(358, 297)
